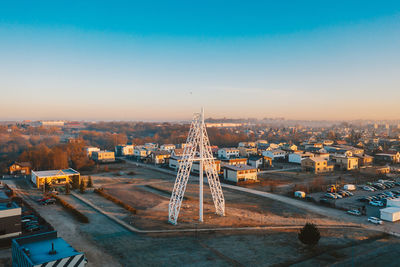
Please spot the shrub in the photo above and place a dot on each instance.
(309, 234)
(90, 182)
(78, 215)
(67, 188)
(82, 187)
(129, 208)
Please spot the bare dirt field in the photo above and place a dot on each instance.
(150, 196)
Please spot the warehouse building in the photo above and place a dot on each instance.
(45, 249)
(54, 177)
(10, 216)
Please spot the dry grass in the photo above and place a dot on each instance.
(101, 192)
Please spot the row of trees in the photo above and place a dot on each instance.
(60, 156)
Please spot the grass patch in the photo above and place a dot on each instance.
(78, 215)
(101, 192)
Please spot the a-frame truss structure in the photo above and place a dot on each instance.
(197, 148)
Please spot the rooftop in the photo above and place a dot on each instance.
(239, 167)
(52, 173)
(8, 206)
(39, 250)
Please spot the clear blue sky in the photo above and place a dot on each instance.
(163, 60)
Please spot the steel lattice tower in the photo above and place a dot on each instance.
(197, 149)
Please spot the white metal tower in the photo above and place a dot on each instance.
(197, 149)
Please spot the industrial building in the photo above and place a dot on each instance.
(45, 249)
(54, 177)
(10, 216)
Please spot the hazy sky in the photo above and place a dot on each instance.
(163, 60)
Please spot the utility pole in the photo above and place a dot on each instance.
(201, 166)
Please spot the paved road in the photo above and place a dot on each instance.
(281, 170)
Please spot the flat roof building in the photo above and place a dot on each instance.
(10, 216)
(45, 249)
(240, 173)
(55, 177)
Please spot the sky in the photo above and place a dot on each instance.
(164, 60)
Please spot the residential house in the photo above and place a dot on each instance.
(240, 173)
(124, 150)
(389, 157)
(298, 156)
(167, 147)
(160, 157)
(276, 154)
(259, 162)
(103, 156)
(141, 152)
(247, 151)
(247, 144)
(175, 161)
(227, 153)
(23, 168)
(345, 163)
(316, 165)
(364, 160)
(90, 149)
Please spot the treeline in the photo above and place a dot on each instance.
(61, 156)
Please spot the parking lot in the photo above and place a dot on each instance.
(362, 199)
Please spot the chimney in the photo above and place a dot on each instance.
(52, 251)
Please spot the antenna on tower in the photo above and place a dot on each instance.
(197, 143)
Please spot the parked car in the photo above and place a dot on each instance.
(349, 193)
(33, 228)
(354, 212)
(330, 195)
(376, 203)
(363, 199)
(49, 201)
(43, 199)
(375, 220)
(368, 188)
(337, 195)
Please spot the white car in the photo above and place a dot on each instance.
(375, 220)
(376, 203)
(354, 212)
(337, 195)
(368, 188)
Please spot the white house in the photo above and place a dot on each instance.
(167, 147)
(141, 152)
(227, 153)
(124, 150)
(275, 154)
(90, 150)
(298, 156)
